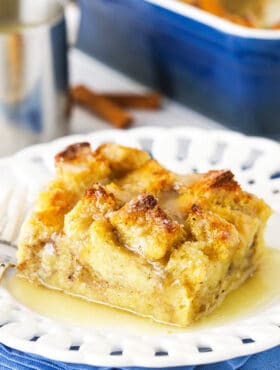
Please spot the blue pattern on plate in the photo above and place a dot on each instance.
(235, 80)
(11, 359)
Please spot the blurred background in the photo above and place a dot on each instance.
(66, 66)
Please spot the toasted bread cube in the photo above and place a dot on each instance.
(146, 228)
(218, 188)
(80, 168)
(221, 237)
(104, 248)
(95, 204)
(122, 159)
(150, 178)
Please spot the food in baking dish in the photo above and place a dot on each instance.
(117, 228)
(249, 13)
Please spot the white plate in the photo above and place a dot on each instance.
(255, 162)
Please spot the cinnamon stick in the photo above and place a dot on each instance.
(101, 106)
(137, 101)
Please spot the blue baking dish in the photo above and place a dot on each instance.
(226, 71)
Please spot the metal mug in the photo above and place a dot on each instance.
(33, 73)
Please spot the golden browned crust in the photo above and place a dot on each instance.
(219, 180)
(97, 191)
(144, 217)
(223, 179)
(132, 234)
(146, 205)
(73, 152)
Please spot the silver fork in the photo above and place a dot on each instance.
(7, 257)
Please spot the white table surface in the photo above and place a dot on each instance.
(86, 70)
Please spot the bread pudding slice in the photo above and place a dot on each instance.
(117, 228)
